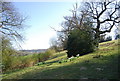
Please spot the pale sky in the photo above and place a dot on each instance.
(41, 17)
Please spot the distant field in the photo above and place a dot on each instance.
(102, 64)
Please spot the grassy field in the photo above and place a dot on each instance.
(103, 63)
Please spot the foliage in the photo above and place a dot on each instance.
(79, 42)
(50, 51)
(46, 55)
(7, 52)
(79, 19)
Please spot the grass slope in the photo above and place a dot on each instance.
(100, 64)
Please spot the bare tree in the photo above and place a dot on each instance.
(77, 20)
(11, 22)
(104, 15)
(98, 17)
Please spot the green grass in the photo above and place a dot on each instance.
(103, 63)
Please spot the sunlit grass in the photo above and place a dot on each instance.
(103, 63)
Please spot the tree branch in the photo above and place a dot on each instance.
(101, 32)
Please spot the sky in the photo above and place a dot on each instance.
(41, 17)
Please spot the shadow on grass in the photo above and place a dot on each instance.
(108, 69)
(52, 62)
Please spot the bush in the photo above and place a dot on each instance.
(10, 59)
(79, 42)
(46, 55)
(50, 52)
(8, 55)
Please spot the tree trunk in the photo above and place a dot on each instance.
(97, 39)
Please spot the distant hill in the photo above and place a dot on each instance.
(34, 50)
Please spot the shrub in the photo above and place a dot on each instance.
(79, 42)
(6, 62)
(11, 61)
(47, 54)
(50, 51)
(43, 57)
(7, 58)
(16, 62)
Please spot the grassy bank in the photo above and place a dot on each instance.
(101, 64)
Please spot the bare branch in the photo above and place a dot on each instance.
(105, 8)
(11, 21)
(101, 32)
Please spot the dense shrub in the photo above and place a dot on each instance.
(10, 62)
(46, 55)
(79, 42)
(50, 51)
(8, 56)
